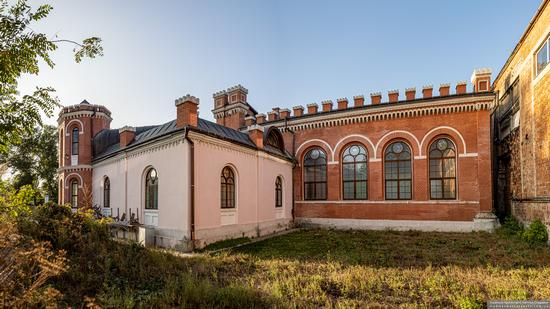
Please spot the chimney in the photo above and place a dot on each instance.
(427, 91)
(342, 103)
(410, 93)
(393, 96)
(376, 98)
(312, 108)
(298, 110)
(444, 89)
(220, 99)
(461, 87)
(260, 118)
(237, 94)
(126, 135)
(249, 120)
(358, 100)
(187, 114)
(256, 134)
(327, 105)
(271, 116)
(481, 79)
(284, 113)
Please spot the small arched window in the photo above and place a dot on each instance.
(315, 175)
(227, 188)
(106, 193)
(275, 139)
(74, 193)
(278, 192)
(151, 189)
(60, 192)
(397, 171)
(74, 142)
(354, 172)
(442, 170)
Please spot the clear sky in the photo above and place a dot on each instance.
(286, 53)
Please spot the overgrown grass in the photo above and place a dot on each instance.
(225, 244)
(309, 268)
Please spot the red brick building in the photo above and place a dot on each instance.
(421, 162)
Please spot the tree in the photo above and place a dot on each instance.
(33, 161)
(21, 50)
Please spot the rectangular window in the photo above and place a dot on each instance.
(543, 56)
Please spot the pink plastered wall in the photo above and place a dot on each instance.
(255, 173)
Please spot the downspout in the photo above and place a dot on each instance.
(192, 187)
(293, 166)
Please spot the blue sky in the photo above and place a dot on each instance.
(286, 53)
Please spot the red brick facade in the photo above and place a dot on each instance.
(88, 120)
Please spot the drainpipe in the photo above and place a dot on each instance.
(192, 187)
(293, 165)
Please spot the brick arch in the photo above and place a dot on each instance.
(70, 177)
(80, 130)
(353, 138)
(408, 137)
(305, 146)
(450, 132)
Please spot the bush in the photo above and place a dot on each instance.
(536, 233)
(511, 226)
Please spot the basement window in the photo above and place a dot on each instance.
(543, 56)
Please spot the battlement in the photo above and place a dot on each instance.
(84, 106)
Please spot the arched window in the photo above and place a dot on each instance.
(442, 169)
(151, 190)
(74, 193)
(397, 171)
(227, 188)
(315, 175)
(354, 172)
(106, 193)
(60, 192)
(275, 139)
(278, 192)
(74, 144)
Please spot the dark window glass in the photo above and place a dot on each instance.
(397, 171)
(442, 170)
(227, 188)
(543, 56)
(151, 190)
(354, 172)
(74, 145)
(107, 193)
(74, 193)
(275, 140)
(278, 192)
(315, 175)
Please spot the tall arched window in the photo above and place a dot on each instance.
(74, 142)
(397, 171)
(315, 175)
(74, 193)
(151, 190)
(354, 172)
(278, 192)
(227, 188)
(442, 169)
(106, 193)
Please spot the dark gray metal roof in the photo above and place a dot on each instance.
(107, 142)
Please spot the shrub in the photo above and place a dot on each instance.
(511, 226)
(536, 233)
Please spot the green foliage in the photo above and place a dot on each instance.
(21, 50)
(511, 226)
(536, 233)
(34, 160)
(15, 203)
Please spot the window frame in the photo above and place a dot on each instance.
(75, 141)
(442, 178)
(106, 193)
(315, 181)
(151, 204)
(354, 164)
(74, 193)
(546, 43)
(278, 192)
(224, 181)
(398, 179)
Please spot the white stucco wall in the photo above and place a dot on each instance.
(126, 171)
